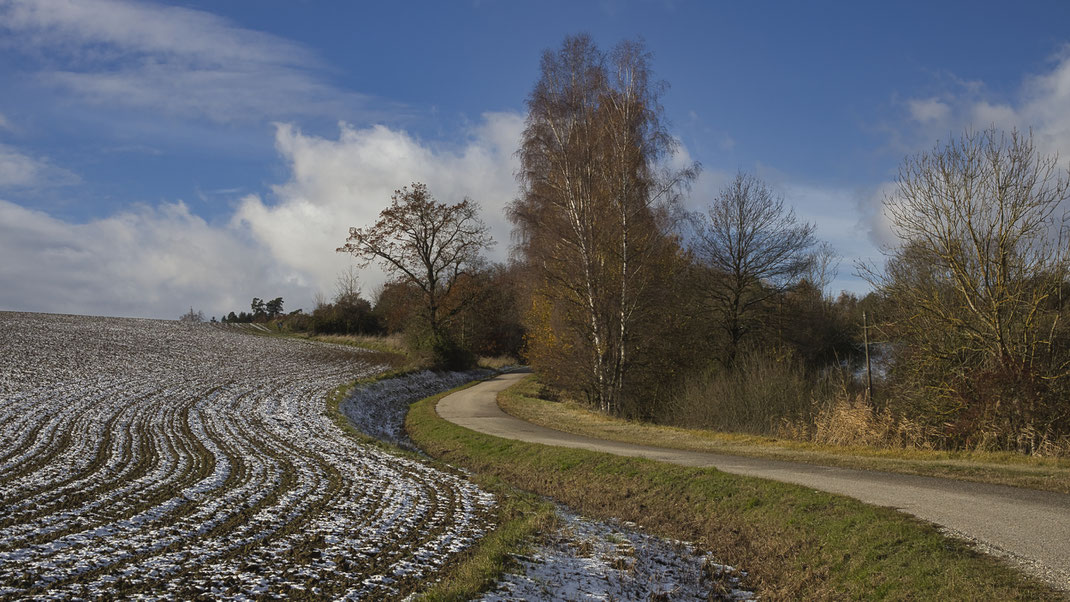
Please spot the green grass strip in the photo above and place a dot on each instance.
(794, 542)
(522, 517)
(519, 516)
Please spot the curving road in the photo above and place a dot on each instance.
(1031, 527)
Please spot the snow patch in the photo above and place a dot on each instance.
(590, 560)
(378, 409)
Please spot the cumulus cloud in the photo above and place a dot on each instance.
(158, 261)
(152, 262)
(171, 59)
(1039, 104)
(1045, 100)
(343, 182)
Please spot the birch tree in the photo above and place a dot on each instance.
(590, 221)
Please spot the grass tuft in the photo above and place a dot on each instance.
(497, 362)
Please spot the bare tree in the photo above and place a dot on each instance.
(347, 285)
(974, 294)
(590, 218)
(984, 248)
(753, 248)
(426, 243)
(824, 267)
(192, 317)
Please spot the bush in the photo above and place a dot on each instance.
(1008, 407)
(756, 396)
(438, 350)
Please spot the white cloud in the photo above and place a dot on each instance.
(1040, 104)
(152, 262)
(171, 59)
(874, 222)
(18, 170)
(1046, 100)
(928, 110)
(4, 123)
(158, 261)
(834, 212)
(344, 182)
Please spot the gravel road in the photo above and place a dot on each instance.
(1031, 528)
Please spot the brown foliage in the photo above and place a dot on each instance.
(396, 305)
(491, 324)
(1009, 408)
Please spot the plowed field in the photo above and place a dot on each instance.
(166, 460)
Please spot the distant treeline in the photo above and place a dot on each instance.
(490, 325)
(260, 311)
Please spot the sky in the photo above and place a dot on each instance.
(160, 156)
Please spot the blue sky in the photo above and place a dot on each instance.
(156, 156)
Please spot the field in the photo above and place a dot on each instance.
(166, 460)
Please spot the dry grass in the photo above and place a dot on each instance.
(848, 420)
(849, 423)
(394, 343)
(497, 362)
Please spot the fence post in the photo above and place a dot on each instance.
(869, 372)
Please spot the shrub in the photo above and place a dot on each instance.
(438, 350)
(1008, 407)
(756, 396)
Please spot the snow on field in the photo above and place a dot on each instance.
(157, 459)
(378, 409)
(591, 560)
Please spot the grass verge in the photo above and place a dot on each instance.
(518, 516)
(522, 516)
(1048, 474)
(391, 349)
(795, 543)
